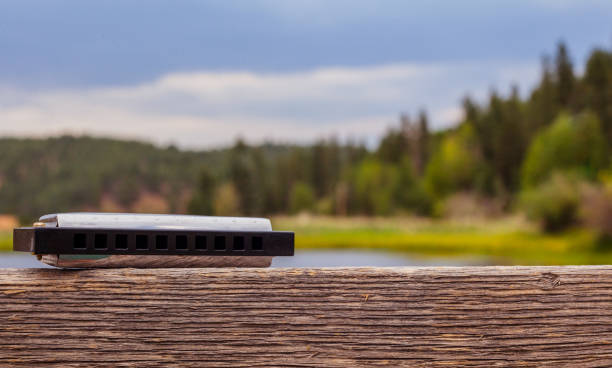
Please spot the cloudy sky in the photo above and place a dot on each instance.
(200, 73)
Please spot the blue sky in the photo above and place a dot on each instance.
(200, 73)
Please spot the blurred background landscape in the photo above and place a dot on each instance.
(479, 134)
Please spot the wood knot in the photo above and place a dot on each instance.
(549, 280)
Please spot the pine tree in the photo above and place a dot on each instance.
(471, 111)
(241, 176)
(202, 201)
(395, 144)
(543, 104)
(565, 76)
(421, 144)
(598, 81)
(511, 141)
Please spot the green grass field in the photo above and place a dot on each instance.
(502, 241)
(6, 240)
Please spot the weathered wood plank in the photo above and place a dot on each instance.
(413, 317)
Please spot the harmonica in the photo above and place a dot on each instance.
(87, 240)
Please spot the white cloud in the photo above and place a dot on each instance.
(204, 109)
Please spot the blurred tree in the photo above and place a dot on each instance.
(247, 172)
(395, 143)
(202, 200)
(543, 105)
(471, 111)
(503, 144)
(326, 166)
(291, 167)
(226, 201)
(375, 185)
(262, 177)
(572, 143)
(410, 193)
(501, 138)
(553, 203)
(342, 199)
(455, 165)
(421, 144)
(410, 140)
(240, 174)
(510, 140)
(484, 128)
(302, 197)
(126, 190)
(598, 81)
(565, 75)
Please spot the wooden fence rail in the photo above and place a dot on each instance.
(346, 317)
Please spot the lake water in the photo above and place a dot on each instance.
(332, 258)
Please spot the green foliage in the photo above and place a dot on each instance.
(455, 165)
(502, 146)
(375, 183)
(502, 134)
(324, 206)
(598, 88)
(327, 162)
(393, 146)
(202, 201)
(38, 176)
(381, 188)
(509, 239)
(302, 197)
(554, 203)
(570, 144)
(411, 194)
(422, 143)
(6, 241)
(565, 76)
(543, 105)
(227, 201)
(412, 139)
(243, 174)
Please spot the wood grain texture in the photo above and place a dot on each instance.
(345, 317)
(152, 261)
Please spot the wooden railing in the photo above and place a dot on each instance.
(345, 317)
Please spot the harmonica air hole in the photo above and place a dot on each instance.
(181, 242)
(238, 243)
(100, 241)
(142, 242)
(200, 242)
(79, 241)
(219, 242)
(161, 242)
(121, 241)
(257, 243)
